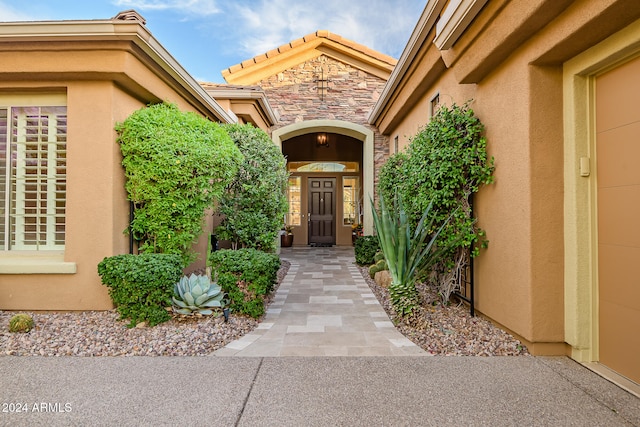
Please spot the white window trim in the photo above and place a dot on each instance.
(35, 262)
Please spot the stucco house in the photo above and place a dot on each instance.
(63, 208)
(556, 83)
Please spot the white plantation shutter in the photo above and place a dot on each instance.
(33, 177)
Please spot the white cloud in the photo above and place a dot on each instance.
(8, 13)
(383, 25)
(187, 7)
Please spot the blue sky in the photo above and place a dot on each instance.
(206, 36)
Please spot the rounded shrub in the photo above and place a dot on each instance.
(21, 323)
(255, 202)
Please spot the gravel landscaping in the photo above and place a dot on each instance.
(448, 330)
(439, 330)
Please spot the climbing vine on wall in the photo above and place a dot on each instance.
(446, 162)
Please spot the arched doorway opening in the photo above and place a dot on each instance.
(331, 165)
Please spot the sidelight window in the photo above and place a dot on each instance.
(351, 200)
(294, 191)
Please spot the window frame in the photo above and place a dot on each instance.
(34, 203)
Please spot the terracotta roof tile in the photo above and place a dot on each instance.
(310, 37)
(306, 39)
(284, 48)
(296, 42)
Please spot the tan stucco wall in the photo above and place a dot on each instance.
(102, 88)
(418, 116)
(519, 277)
(510, 61)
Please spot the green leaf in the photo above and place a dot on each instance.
(188, 298)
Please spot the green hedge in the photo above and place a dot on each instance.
(141, 286)
(246, 275)
(365, 249)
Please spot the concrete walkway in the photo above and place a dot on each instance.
(323, 308)
(309, 391)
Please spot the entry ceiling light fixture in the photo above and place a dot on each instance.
(322, 140)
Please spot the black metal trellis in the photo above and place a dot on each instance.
(131, 216)
(466, 292)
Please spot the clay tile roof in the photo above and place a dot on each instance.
(320, 34)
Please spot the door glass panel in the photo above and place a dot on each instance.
(294, 216)
(323, 166)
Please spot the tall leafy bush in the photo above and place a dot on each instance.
(176, 164)
(444, 164)
(255, 202)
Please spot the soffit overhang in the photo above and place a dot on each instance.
(89, 35)
(238, 95)
(560, 30)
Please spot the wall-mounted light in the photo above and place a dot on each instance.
(322, 140)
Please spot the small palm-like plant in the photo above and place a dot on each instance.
(406, 252)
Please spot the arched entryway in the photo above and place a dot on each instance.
(331, 164)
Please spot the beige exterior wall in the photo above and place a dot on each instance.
(104, 83)
(510, 61)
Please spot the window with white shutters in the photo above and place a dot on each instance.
(33, 150)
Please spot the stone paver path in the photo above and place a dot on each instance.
(323, 308)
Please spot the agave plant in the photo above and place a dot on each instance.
(197, 294)
(406, 253)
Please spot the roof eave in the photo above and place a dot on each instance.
(418, 38)
(252, 94)
(133, 31)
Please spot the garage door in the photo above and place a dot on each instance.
(618, 175)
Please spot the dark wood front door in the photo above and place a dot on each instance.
(322, 211)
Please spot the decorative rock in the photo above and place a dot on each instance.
(383, 278)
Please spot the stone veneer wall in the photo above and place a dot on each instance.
(350, 95)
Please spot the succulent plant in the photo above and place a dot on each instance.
(21, 323)
(197, 294)
(378, 266)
